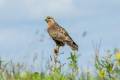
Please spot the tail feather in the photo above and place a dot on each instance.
(73, 45)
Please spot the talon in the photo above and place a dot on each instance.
(56, 51)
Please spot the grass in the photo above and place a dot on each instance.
(106, 68)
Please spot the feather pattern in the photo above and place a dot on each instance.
(60, 35)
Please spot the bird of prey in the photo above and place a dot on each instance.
(59, 35)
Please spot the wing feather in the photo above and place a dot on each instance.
(67, 38)
(61, 35)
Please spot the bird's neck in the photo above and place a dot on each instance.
(51, 25)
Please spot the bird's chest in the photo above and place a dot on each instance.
(52, 32)
(56, 34)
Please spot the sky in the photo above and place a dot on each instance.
(23, 32)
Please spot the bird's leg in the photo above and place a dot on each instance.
(56, 50)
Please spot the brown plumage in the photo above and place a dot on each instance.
(59, 35)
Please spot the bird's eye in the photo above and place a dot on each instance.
(48, 18)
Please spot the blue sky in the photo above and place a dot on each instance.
(23, 29)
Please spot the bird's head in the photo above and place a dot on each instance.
(50, 19)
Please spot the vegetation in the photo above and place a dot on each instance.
(106, 68)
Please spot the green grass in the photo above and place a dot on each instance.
(107, 68)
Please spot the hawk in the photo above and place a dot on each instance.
(59, 35)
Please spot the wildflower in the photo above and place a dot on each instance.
(110, 68)
(23, 74)
(117, 55)
(102, 73)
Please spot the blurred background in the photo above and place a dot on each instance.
(23, 34)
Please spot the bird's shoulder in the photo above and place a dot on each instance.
(63, 31)
(58, 29)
